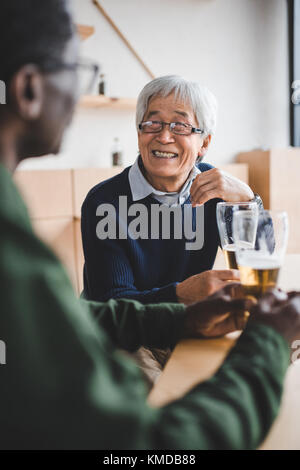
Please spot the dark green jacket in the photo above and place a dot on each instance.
(65, 386)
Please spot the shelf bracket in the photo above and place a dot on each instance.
(123, 38)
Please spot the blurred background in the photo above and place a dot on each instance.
(237, 48)
(245, 51)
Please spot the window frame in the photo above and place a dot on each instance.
(294, 68)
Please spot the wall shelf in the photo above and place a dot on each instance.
(107, 102)
(85, 31)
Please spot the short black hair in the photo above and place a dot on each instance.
(32, 31)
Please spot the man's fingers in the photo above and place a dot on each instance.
(233, 289)
(236, 305)
(201, 192)
(292, 306)
(207, 196)
(196, 187)
(227, 325)
(201, 180)
(292, 294)
(241, 319)
(228, 274)
(226, 304)
(236, 321)
(269, 300)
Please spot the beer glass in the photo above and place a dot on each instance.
(260, 242)
(225, 212)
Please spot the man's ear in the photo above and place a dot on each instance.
(205, 145)
(27, 92)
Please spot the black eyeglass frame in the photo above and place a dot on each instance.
(193, 130)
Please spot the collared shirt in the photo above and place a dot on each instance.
(141, 188)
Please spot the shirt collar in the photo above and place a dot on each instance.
(141, 188)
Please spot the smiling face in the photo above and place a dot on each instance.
(168, 158)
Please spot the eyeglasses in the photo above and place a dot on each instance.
(178, 128)
(86, 70)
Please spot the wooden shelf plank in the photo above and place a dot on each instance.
(107, 102)
(85, 31)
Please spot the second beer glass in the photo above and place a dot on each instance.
(260, 243)
(225, 212)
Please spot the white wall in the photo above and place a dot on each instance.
(238, 48)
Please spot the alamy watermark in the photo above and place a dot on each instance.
(2, 92)
(296, 92)
(296, 354)
(2, 353)
(135, 222)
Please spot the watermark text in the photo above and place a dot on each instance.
(2, 92)
(2, 353)
(296, 351)
(296, 92)
(137, 221)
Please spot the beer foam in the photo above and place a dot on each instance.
(229, 247)
(259, 262)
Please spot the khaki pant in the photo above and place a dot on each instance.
(151, 362)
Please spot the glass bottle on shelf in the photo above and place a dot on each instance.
(102, 84)
(117, 153)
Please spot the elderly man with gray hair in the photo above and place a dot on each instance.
(150, 233)
(175, 120)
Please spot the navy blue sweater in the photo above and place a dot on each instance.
(144, 270)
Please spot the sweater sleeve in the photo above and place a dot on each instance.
(236, 407)
(108, 272)
(130, 324)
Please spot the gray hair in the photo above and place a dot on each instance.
(200, 98)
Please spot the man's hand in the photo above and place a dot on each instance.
(219, 314)
(279, 310)
(216, 183)
(199, 286)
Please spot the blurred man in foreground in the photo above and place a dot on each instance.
(64, 385)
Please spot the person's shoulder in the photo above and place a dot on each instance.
(204, 167)
(108, 190)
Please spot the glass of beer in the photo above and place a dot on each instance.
(260, 243)
(225, 212)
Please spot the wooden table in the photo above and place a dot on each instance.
(194, 361)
